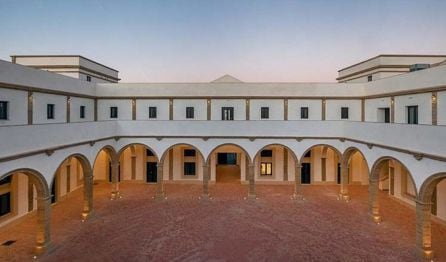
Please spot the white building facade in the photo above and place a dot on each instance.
(59, 134)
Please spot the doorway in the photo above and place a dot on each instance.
(306, 173)
(151, 174)
(228, 169)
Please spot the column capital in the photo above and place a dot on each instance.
(205, 166)
(44, 198)
(299, 165)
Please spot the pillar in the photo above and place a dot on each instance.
(373, 200)
(115, 179)
(344, 181)
(159, 194)
(298, 182)
(252, 185)
(423, 230)
(43, 237)
(88, 195)
(206, 174)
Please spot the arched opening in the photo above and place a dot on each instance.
(275, 162)
(102, 168)
(73, 173)
(182, 162)
(228, 163)
(357, 167)
(321, 164)
(389, 176)
(14, 203)
(431, 202)
(138, 162)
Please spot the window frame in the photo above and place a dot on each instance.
(153, 114)
(189, 152)
(190, 112)
(194, 169)
(264, 171)
(344, 112)
(415, 119)
(114, 112)
(304, 112)
(82, 112)
(50, 111)
(88, 78)
(5, 114)
(369, 78)
(264, 112)
(230, 113)
(266, 153)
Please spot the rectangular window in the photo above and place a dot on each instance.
(189, 168)
(266, 153)
(344, 112)
(152, 112)
(114, 112)
(264, 112)
(3, 110)
(412, 115)
(304, 112)
(50, 111)
(88, 78)
(189, 112)
(5, 204)
(189, 152)
(369, 78)
(227, 158)
(227, 113)
(266, 168)
(82, 112)
(149, 152)
(308, 154)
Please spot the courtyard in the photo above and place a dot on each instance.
(225, 228)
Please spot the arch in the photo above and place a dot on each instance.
(110, 150)
(83, 160)
(38, 179)
(350, 151)
(166, 151)
(121, 151)
(374, 173)
(325, 145)
(428, 187)
(208, 159)
(278, 144)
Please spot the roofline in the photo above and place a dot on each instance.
(389, 55)
(83, 57)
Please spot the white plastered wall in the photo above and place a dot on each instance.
(373, 105)
(423, 101)
(314, 109)
(333, 109)
(239, 106)
(40, 102)
(76, 103)
(275, 108)
(17, 106)
(142, 109)
(124, 109)
(199, 105)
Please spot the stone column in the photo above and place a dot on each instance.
(252, 185)
(344, 181)
(423, 231)
(88, 195)
(115, 179)
(159, 194)
(298, 182)
(43, 236)
(373, 200)
(206, 173)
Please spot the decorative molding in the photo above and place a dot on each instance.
(418, 156)
(49, 152)
(299, 139)
(92, 143)
(252, 139)
(159, 138)
(116, 138)
(370, 146)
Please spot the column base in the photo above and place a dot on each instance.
(205, 197)
(86, 215)
(425, 253)
(252, 196)
(298, 197)
(376, 218)
(42, 248)
(344, 197)
(115, 195)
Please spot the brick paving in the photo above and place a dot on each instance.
(225, 228)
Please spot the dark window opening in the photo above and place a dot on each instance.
(189, 112)
(114, 112)
(88, 78)
(149, 152)
(344, 112)
(264, 112)
(6, 180)
(152, 112)
(3, 110)
(369, 78)
(304, 112)
(308, 154)
(412, 115)
(227, 158)
(5, 203)
(266, 153)
(189, 168)
(189, 152)
(82, 112)
(50, 111)
(227, 113)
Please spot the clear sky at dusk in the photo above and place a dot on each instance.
(188, 41)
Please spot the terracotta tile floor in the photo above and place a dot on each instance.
(226, 228)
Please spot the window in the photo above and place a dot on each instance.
(369, 78)
(227, 113)
(266, 168)
(189, 152)
(149, 152)
(189, 112)
(152, 112)
(344, 112)
(5, 204)
(3, 110)
(189, 168)
(50, 111)
(88, 78)
(114, 112)
(384, 115)
(308, 154)
(227, 158)
(264, 112)
(82, 112)
(412, 115)
(266, 153)
(304, 112)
